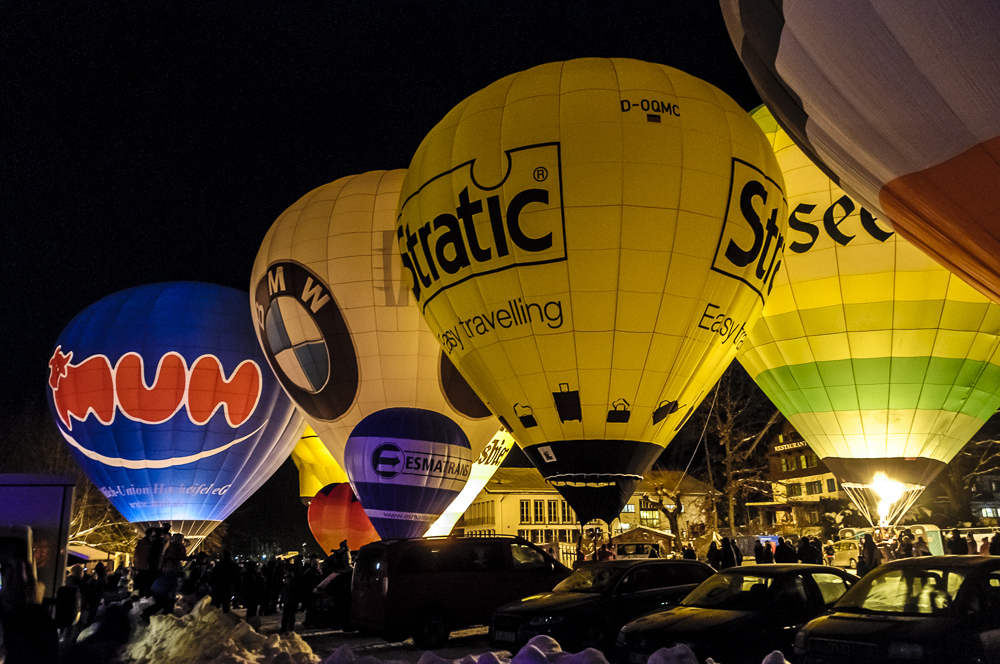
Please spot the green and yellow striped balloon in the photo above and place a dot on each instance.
(883, 360)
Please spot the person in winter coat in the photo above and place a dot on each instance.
(995, 545)
(175, 554)
(957, 545)
(784, 553)
(728, 555)
(289, 602)
(222, 580)
(871, 557)
(714, 556)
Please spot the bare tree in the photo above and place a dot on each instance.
(29, 443)
(668, 491)
(741, 420)
(949, 496)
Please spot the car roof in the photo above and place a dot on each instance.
(777, 569)
(633, 562)
(958, 561)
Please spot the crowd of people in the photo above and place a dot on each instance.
(164, 577)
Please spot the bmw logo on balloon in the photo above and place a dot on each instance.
(306, 340)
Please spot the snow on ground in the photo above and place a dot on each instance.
(206, 635)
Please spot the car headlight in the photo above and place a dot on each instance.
(903, 650)
(545, 620)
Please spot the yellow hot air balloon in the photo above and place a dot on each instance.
(317, 467)
(590, 241)
(338, 324)
(884, 361)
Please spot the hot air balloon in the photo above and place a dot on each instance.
(167, 403)
(338, 324)
(317, 467)
(885, 362)
(899, 102)
(590, 241)
(335, 514)
(406, 465)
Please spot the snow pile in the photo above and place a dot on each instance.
(209, 636)
(539, 650)
(681, 654)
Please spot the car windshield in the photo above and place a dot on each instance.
(591, 579)
(904, 590)
(732, 592)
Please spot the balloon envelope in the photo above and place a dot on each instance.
(167, 402)
(884, 361)
(900, 103)
(406, 465)
(317, 467)
(339, 327)
(590, 241)
(335, 514)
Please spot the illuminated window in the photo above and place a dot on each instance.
(628, 509)
(525, 511)
(649, 518)
(553, 511)
(567, 513)
(539, 511)
(784, 464)
(989, 511)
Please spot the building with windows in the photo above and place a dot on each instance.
(518, 501)
(802, 487)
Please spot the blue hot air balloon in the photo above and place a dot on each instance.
(169, 405)
(406, 466)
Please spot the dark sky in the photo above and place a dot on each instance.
(155, 141)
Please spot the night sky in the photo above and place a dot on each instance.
(157, 141)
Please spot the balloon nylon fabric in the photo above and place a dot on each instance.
(167, 403)
(566, 233)
(899, 102)
(407, 465)
(879, 357)
(340, 327)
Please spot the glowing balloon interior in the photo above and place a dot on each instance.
(317, 467)
(482, 470)
(881, 359)
(406, 465)
(338, 324)
(900, 104)
(590, 241)
(335, 514)
(167, 402)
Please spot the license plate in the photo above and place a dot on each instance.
(505, 636)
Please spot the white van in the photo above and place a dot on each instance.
(846, 553)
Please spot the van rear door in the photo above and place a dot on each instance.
(368, 587)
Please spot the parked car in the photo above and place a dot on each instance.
(330, 604)
(926, 609)
(427, 587)
(846, 553)
(740, 614)
(587, 608)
